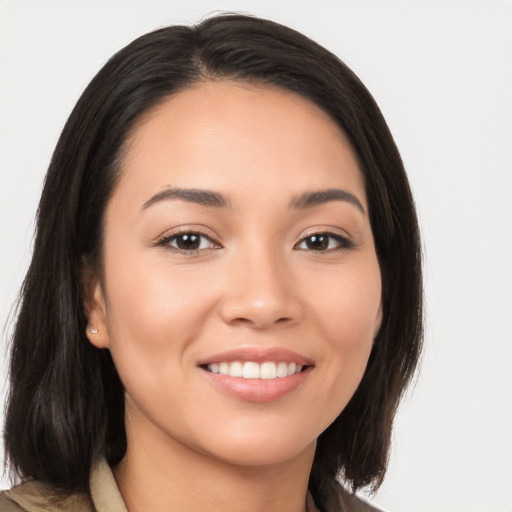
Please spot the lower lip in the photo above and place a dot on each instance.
(257, 390)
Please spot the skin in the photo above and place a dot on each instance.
(254, 282)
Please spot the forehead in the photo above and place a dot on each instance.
(230, 134)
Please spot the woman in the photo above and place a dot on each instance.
(224, 303)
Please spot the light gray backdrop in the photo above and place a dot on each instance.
(441, 72)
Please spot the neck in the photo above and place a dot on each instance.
(160, 474)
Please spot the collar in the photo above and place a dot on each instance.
(35, 496)
(104, 492)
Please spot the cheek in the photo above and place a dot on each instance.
(349, 319)
(154, 311)
(346, 303)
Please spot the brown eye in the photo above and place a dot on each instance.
(317, 242)
(188, 242)
(322, 242)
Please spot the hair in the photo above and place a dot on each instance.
(66, 402)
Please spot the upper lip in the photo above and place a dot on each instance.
(257, 355)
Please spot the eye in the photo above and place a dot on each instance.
(323, 242)
(189, 241)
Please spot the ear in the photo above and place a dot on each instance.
(95, 307)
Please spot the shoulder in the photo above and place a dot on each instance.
(7, 505)
(356, 504)
(36, 497)
(333, 497)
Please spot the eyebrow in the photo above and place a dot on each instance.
(309, 199)
(191, 195)
(210, 198)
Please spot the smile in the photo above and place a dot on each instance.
(256, 374)
(252, 370)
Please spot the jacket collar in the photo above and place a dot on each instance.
(34, 496)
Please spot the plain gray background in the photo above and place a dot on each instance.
(441, 72)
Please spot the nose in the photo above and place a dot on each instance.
(261, 292)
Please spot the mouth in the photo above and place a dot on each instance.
(257, 375)
(253, 370)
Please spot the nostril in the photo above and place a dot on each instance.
(259, 310)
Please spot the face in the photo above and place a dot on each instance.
(241, 291)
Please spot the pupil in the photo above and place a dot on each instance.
(188, 242)
(317, 242)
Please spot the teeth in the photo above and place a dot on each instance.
(282, 370)
(268, 371)
(236, 369)
(251, 370)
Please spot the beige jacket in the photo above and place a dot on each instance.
(105, 497)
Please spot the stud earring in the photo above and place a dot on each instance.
(94, 331)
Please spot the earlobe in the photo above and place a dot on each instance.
(95, 309)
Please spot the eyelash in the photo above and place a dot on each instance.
(166, 241)
(343, 243)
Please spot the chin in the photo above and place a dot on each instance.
(268, 450)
